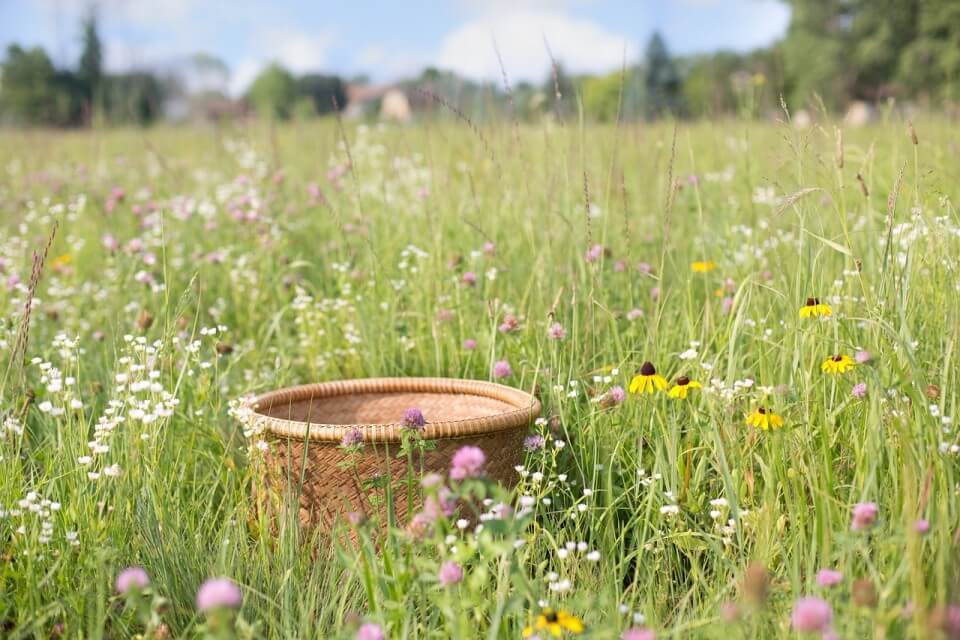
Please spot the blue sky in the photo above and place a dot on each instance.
(389, 39)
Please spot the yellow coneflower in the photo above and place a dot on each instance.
(813, 308)
(555, 623)
(840, 363)
(763, 419)
(682, 387)
(648, 380)
(702, 266)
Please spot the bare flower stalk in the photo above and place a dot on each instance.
(23, 331)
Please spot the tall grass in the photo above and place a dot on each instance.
(241, 260)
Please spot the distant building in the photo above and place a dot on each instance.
(395, 106)
(387, 102)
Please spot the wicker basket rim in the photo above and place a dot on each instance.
(527, 409)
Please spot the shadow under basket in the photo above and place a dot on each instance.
(305, 426)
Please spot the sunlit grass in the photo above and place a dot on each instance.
(249, 260)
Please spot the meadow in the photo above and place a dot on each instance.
(804, 281)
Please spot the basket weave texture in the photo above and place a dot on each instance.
(305, 426)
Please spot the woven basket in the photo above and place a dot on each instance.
(305, 426)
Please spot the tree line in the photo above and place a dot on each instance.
(834, 52)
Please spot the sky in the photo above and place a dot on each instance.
(391, 39)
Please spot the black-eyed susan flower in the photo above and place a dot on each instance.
(647, 381)
(813, 308)
(554, 622)
(764, 419)
(840, 363)
(682, 387)
(702, 266)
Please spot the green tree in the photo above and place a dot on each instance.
(931, 63)
(90, 71)
(132, 98)
(707, 87)
(662, 80)
(323, 92)
(814, 52)
(604, 96)
(273, 93)
(33, 92)
(880, 32)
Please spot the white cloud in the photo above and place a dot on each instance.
(382, 62)
(581, 45)
(242, 75)
(297, 51)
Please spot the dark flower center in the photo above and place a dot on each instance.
(812, 302)
(648, 369)
(683, 381)
(837, 358)
(762, 411)
(550, 616)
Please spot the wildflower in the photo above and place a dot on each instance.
(862, 357)
(947, 619)
(467, 462)
(501, 369)
(470, 278)
(921, 526)
(216, 593)
(864, 515)
(648, 380)
(413, 419)
(638, 633)
(633, 314)
(370, 631)
(450, 573)
(859, 390)
(829, 578)
(811, 614)
(443, 503)
(132, 579)
(510, 323)
(703, 266)
(616, 395)
(469, 344)
(533, 443)
(813, 308)
(763, 419)
(840, 363)
(351, 438)
(555, 622)
(594, 253)
(556, 331)
(682, 387)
